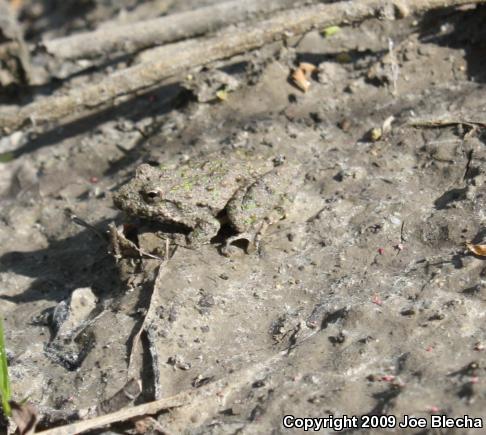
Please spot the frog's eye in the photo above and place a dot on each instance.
(151, 196)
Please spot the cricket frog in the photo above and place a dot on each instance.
(246, 190)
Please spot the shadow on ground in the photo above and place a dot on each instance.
(454, 29)
(68, 264)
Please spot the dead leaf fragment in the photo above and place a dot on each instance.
(222, 94)
(16, 4)
(375, 134)
(387, 125)
(299, 79)
(307, 68)
(330, 31)
(301, 76)
(477, 249)
(25, 417)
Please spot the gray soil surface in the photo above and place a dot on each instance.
(363, 300)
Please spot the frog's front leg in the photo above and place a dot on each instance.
(204, 226)
(204, 230)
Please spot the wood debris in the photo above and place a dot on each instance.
(175, 58)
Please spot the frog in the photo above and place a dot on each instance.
(245, 189)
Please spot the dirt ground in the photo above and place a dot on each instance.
(363, 300)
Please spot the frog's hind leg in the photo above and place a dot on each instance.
(253, 239)
(254, 208)
(256, 234)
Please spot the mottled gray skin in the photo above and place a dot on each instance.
(251, 189)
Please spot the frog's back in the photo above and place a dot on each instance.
(211, 180)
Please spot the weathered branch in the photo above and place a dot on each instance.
(133, 37)
(445, 122)
(175, 58)
(122, 415)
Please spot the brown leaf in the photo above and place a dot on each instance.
(302, 74)
(25, 417)
(477, 249)
(307, 68)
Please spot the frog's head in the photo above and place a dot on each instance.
(148, 185)
(144, 197)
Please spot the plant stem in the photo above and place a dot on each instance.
(5, 391)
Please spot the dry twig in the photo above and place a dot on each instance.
(122, 415)
(133, 37)
(446, 122)
(211, 395)
(175, 58)
(150, 316)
